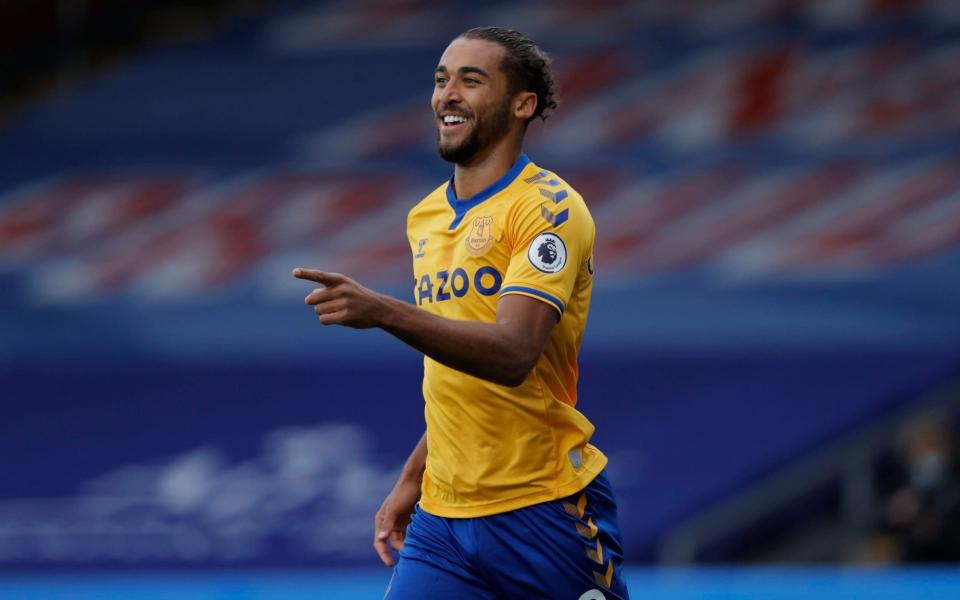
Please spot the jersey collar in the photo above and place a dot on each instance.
(461, 207)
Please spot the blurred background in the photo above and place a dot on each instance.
(773, 354)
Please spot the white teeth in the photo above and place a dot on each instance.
(454, 119)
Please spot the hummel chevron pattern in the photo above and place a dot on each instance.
(536, 177)
(606, 578)
(596, 554)
(554, 219)
(557, 196)
(551, 182)
(578, 508)
(589, 530)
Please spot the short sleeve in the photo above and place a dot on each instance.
(551, 241)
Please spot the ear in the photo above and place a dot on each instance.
(524, 105)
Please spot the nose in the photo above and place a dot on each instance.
(449, 94)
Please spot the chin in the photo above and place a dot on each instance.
(459, 149)
(459, 154)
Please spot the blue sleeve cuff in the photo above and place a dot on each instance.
(548, 298)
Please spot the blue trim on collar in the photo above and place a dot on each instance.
(461, 207)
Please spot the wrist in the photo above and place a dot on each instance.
(388, 315)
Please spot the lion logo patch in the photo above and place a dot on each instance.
(547, 253)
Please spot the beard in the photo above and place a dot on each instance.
(479, 138)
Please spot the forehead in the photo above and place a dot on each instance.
(462, 52)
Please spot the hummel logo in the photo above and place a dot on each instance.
(420, 245)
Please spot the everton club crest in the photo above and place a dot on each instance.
(480, 236)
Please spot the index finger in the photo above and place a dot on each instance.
(380, 545)
(313, 275)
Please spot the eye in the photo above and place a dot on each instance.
(439, 80)
(471, 81)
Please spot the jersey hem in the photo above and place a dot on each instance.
(587, 474)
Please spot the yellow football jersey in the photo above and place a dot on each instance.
(493, 448)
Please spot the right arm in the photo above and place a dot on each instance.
(395, 512)
(503, 352)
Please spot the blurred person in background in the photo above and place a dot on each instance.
(511, 500)
(923, 513)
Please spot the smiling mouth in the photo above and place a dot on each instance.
(453, 121)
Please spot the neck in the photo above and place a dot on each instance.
(471, 178)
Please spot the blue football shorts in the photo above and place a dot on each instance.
(567, 548)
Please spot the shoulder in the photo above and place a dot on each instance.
(544, 195)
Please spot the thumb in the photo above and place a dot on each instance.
(385, 527)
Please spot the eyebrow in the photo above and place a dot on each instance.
(463, 70)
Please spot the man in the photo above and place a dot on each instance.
(513, 502)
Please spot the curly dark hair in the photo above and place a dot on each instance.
(526, 65)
